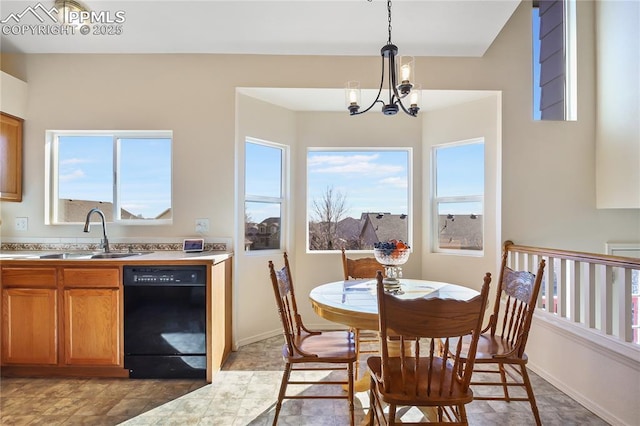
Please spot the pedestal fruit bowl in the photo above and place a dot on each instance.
(392, 254)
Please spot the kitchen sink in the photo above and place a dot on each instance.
(112, 255)
(66, 256)
(116, 255)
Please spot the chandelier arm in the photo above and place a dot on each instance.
(405, 109)
(379, 92)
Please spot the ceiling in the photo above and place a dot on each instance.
(293, 27)
(455, 28)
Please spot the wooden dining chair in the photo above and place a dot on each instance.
(423, 373)
(501, 347)
(364, 267)
(309, 350)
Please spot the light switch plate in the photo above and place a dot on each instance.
(22, 223)
(202, 226)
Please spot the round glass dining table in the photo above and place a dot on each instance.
(354, 302)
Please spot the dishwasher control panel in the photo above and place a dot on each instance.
(165, 275)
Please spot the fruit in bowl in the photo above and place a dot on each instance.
(392, 254)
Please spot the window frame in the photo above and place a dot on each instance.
(282, 200)
(408, 150)
(435, 200)
(52, 172)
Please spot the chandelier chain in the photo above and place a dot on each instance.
(389, 10)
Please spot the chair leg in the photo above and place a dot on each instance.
(532, 398)
(392, 414)
(373, 404)
(351, 390)
(356, 336)
(503, 378)
(283, 389)
(462, 414)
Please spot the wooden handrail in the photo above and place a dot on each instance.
(603, 259)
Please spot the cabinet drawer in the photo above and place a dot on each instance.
(28, 277)
(91, 277)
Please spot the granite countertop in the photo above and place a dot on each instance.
(214, 256)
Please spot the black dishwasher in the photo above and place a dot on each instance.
(165, 321)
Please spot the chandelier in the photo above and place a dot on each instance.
(397, 92)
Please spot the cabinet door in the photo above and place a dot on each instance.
(92, 326)
(29, 326)
(10, 158)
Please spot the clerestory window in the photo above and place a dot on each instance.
(554, 60)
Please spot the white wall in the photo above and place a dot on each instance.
(596, 376)
(618, 91)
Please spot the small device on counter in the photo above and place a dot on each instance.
(193, 245)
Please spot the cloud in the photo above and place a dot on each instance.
(74, 175)
(74, 161)
(395, 181)
(318, 160)
(350, 164)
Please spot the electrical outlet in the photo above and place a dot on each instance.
(202, 226)
(22, 223)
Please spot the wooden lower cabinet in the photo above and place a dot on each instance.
(29, 326)
(62, 321)
(91, 327)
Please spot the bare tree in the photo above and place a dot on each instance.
(327, 212)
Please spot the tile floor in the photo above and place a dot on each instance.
(243, 393)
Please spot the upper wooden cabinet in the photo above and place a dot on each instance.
(10, 158)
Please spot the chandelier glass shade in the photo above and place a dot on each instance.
(399, 75)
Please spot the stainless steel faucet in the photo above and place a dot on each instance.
(105, 241)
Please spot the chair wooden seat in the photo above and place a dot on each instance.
(418, 364)
(328, 346)
(310, 350)
(492, 347)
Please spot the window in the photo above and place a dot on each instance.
(458, 197)
(125, 174)
(356, 198)
(554, 60)
(264, 197)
